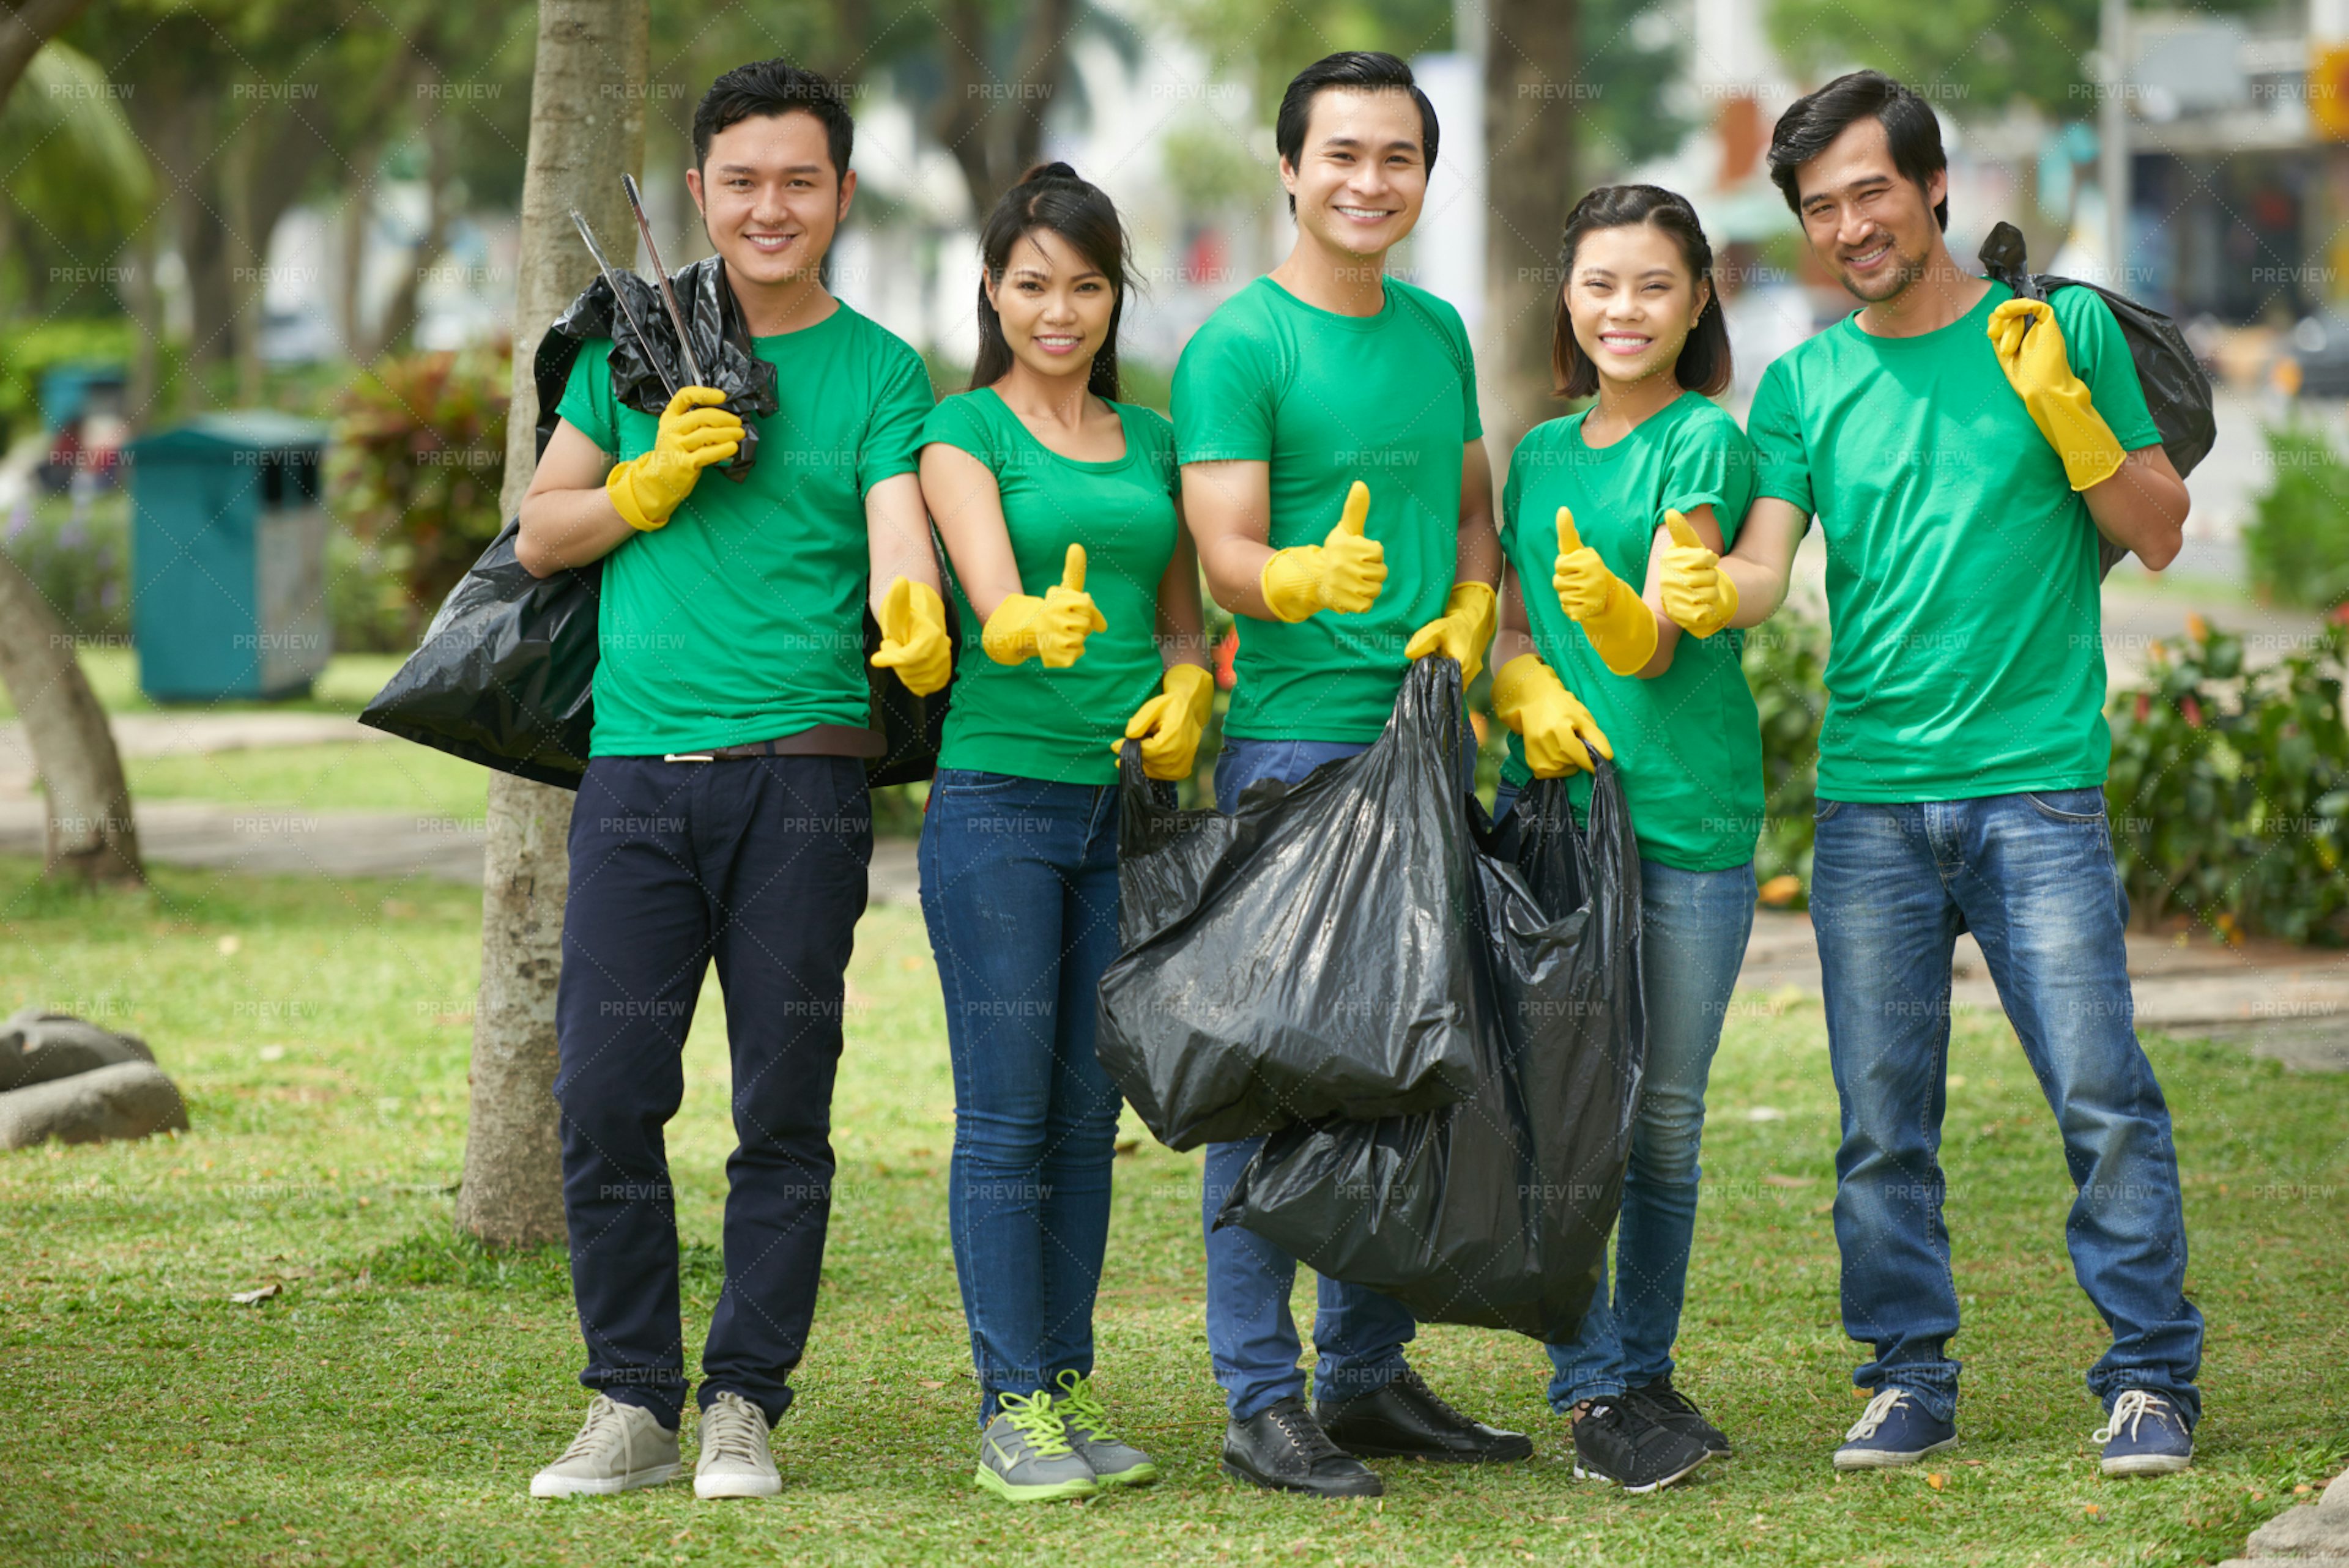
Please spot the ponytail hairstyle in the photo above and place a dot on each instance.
(1051, 196)
(1703, 365)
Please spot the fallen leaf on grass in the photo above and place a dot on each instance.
(1774, 1180)
(255, 1296)
(1936, 1480)
(933, 1382)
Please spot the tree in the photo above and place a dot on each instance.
(1532, 90)
(90, 833)
(586, 129)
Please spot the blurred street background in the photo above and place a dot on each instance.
(214, 207)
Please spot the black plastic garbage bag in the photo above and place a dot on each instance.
(722, 344)
(2176, 392)
(505, 674)
(1495, 1210)
(1311, 955)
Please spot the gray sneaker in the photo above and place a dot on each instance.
(621, 1448)
(735, 1461)
(1024, 1454)
(1086, 1423)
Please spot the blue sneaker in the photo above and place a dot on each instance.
(2144, 1435)
(1895, 1429)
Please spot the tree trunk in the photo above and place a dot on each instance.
(91, 836)
(399, 315)
(1529, 114)
(994, 127)
(25, 27)
(587, 128)
(90, 833)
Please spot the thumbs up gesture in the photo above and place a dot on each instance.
(1344, 573)
(1583, 583)
(1620, 626)
(1052, 628)
(1698, 594)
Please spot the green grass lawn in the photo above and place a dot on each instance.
(348, 682)
(378, 776)
(390, 1405)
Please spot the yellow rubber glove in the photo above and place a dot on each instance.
(1529, 698)
(693, 435)
(1344, 572)
(1052, 628)
(1463, 631)
(914, 637)
(1170, 724)
(1614, 617)
(1698, 594)
(2030, 348)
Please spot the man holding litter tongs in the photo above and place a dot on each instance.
(724, 814)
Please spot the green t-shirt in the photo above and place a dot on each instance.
(1025, 719)
(742, 620)
(1688, 744)
(1962, 567)
(1327, 400)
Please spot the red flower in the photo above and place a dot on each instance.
(2144, 707)
(1226, 652)
(2191, 709)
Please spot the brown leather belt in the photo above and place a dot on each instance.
(817, 740)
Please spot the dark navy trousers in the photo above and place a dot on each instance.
(758, 865)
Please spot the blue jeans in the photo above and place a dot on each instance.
(2031, 876)
(1019, 891)
(1693, 927)
(1357, 1333)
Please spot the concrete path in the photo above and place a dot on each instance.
(2287, 1003)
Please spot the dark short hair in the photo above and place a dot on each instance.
(1812, 122)
(1355, 69)
(1051, 196)
(770, 87)
(1703, 365)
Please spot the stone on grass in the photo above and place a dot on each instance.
(37, 1046)
(128, 1099)
(2311, 1533)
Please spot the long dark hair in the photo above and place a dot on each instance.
(1703, 365)
(1051, 196)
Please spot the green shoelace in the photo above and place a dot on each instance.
(1033, 1418)
(1083, 1406)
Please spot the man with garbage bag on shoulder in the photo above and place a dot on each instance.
(1321, 373)
(724, 814)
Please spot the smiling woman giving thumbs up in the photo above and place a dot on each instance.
(1057, 505)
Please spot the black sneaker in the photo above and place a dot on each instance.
(1668, 1406)
(1406, 1420)
(1614, 1442)
(1284, 1449)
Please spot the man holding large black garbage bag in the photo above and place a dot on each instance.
(724, 813)
(1317, 377)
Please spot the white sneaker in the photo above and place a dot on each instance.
(735, 1459)
(621, 1448)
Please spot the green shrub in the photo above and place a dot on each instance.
(2298, 543)
(419, 457)
(2229, 791)
(1785, 665)
(79, 559)
(367, 595)
(25, 355)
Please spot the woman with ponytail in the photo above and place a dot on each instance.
(1080, 602)
(1611, 518)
